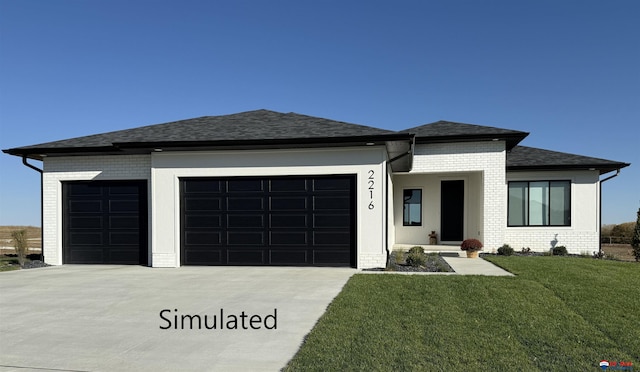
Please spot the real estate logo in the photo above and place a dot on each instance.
(616, 366)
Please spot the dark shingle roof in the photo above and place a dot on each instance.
(449, 131)
(245, 127)
(522, 158)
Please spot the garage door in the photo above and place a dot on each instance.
(268, 221)
(105, 222)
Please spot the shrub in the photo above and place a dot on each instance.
(635, 240)
(560, 250)
(20, 244)
(526, 250)
(399, 257)
(598, 255)
(471, 245)
(415, 259)
(505, 250)
(416, 249)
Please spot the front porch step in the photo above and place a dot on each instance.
(448, 250)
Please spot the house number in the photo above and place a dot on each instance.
(371, 184)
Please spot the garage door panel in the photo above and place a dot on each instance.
(289, 203)
(245, 238)
(204, 257)
(289, 257)
(86, 222)
(330, 257)
(124, 238)
(86, 238)
(241, 204)
(288, 185)
(202, 221)
(248, 221)
(85, 206)
(331, 203)
(288, 221)
(202, 204)
(244, 185)
(245, 257)
(123, 222)
(104, 222)
(123, 206)
(331, 220)
(194, 238)
(331, 238)
(289, 238)
(306, 220)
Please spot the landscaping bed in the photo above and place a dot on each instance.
(433, 263)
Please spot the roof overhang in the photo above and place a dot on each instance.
(511, 139)
(601, 168)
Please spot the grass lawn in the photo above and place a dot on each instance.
(557, 314)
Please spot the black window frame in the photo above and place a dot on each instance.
(548, 207)
(406, 222)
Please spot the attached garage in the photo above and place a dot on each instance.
(105, 222)
(305, 221)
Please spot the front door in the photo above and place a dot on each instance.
(452, 210)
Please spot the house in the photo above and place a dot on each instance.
(270, 188)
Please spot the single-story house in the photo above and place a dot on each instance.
(269, 188)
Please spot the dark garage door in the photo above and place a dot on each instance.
(105, 222)
(268, 221)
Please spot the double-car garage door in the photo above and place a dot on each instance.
(268, 221)
(308, 221)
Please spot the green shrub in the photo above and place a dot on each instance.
(635, 240)
(415, 259)
(505, 250)
(399, 257)
(416, 249)
(560, 250)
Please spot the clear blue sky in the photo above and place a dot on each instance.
(566, 71)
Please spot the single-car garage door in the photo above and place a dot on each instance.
(105, 222)
(268, 221)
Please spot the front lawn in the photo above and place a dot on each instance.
(558, 313)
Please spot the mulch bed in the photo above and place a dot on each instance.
(434, 264)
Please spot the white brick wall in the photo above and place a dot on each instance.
(80, 168)
(488, 157)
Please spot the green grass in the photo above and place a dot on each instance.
(8, 263)
(558, 314)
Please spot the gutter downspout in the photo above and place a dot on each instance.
(386, 199)
(24, 161)
(600, 209)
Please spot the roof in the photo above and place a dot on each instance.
(523, 158)
(449, 131)
(252, 128)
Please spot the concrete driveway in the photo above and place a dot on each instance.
(108, 318)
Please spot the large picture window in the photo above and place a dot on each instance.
(539, 203)
(412, 207)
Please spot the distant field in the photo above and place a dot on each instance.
(6, 242)
(621, 252)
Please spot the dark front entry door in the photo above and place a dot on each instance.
(452, 210)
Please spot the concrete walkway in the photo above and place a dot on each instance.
(474, 266)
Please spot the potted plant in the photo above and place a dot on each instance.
(471, 246)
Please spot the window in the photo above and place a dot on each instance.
(539, 203)
(412, 207)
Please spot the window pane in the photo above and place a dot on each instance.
(412, 207)
(538, 203)
(560, 203)
(518, 210)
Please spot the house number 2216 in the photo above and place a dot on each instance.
(371, 183)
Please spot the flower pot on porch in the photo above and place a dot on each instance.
(472, 254)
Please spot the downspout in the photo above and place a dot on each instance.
(600, 209)
(24, 161)
(386, 199)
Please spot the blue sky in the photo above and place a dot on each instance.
(568, 72)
